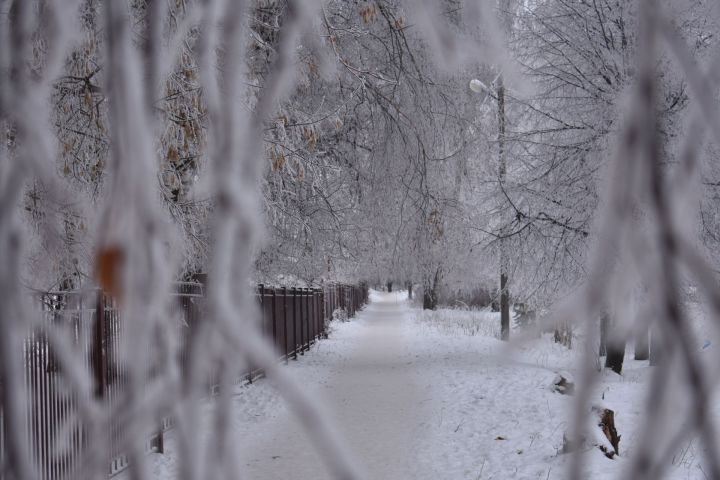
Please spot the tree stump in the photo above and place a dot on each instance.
(600, 433)
(563, 385)
(607, 427)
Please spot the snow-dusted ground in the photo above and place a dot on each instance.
(421, 395)
(363, 375)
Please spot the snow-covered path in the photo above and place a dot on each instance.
(425, 396)
(411, 401)
(370, 394)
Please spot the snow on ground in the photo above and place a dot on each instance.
(431, 395)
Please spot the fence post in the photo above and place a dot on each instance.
(294, 322)
(313, 318)
(285, 324)
(2, 434)
(261, 293)
(263, 316)
(323, 315)
(319, 317)
(308, 307)
(343, 298)
(99, 361)
(306, 319)
(318, 313)
(311, 315)
(310, 318)
(324, 309)
(303, 314)
(328, 299)
(273, 313)
(301, 320)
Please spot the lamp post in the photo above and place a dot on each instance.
(477, 86)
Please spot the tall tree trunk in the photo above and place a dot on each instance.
(615, 355)
(615, 345)
(655, 347)
(504, 307)
(389, 286)
(430, 291)
(604, 326)
(429, 299)
(642, 345)
(563, 333)
(504, 292)
(409, 288)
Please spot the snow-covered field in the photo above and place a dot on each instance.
(432, 395)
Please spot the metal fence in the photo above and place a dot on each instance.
(293, 318)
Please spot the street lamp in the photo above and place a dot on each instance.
(478, 86)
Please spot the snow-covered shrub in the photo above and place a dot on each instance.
(340, 314)
(462, 322)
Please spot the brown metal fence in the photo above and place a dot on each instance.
(293, 318)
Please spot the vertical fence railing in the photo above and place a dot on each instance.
(2, 436)
(292, 318)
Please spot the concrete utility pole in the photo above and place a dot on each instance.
(499, 95)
